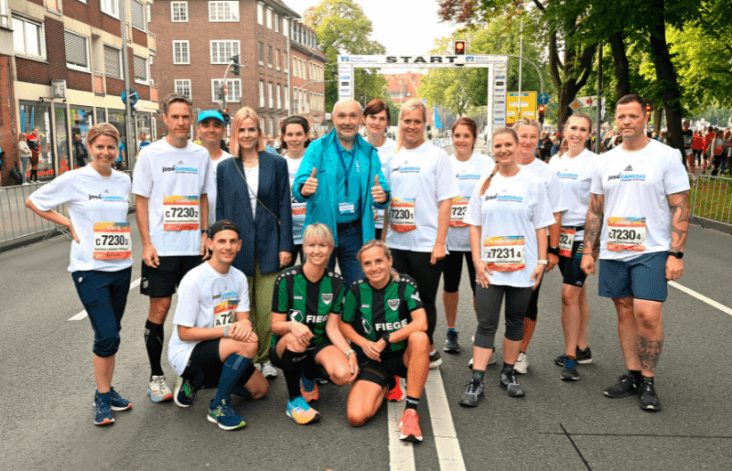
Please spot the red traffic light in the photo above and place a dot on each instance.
(460, 47)
(648, 108)
(226, 110)
(541, 108)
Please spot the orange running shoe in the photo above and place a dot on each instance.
(396, 394)
(313, 394)
(301, 412)
(409, 426)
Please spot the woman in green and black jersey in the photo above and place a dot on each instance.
(384, 319)
(305, 334)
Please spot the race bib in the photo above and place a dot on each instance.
(626, 234)
(225, 313)
(566, 240)
(112, 241)
(401, 215)
(180, 213)
(459, 209)
(298, 210)
(504, 253)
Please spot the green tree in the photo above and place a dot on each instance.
(343, 28)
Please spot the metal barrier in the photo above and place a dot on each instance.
(18, 222)
(711, 199)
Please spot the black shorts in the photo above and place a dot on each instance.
(310, 368)
(162, 282)
(570, 266)
(453, 271)
(382, 372)
(205, 365)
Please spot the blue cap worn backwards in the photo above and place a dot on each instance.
(210, 114)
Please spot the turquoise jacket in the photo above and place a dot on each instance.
(322, 206)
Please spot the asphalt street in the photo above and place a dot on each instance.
(46, 402)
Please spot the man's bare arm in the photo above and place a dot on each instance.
(593, 223)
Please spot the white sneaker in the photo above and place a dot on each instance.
(268, 370)
(492, 361)
(522, 364)
(158, 390)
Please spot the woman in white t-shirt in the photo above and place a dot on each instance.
(101, 253)
(574, 170)
(377, 117)
(528, 131)
(295, 139)
(508, 215)
(468, 168)
(422, 185)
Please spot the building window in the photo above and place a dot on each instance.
(271, 95)
(28, 38)
(223, 51)
(110, 7)
(223, 11)
(261, 53)
(181, 52)
(269, 18)
(286, 27)
(77, 51)
(138, 14)
(261, 94)
(272, 129)
(277, 59)
(112, 62)
(260, 13)
(279, 96)
(269, 56)
(233, 89)
(277, 23)
(179, 12)
(183, 87)
(141, 72)
(287, 99)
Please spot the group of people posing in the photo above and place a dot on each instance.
(225, 231)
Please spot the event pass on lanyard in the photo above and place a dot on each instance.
(626, 234)
(112, 241)
(180, 213)
(504, 253)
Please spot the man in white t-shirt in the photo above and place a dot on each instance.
(171, 180)
(637, 222)
(211, 130)
(213, 341)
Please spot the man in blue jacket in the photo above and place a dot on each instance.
(340, 178)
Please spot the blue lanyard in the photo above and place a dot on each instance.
(343, 161)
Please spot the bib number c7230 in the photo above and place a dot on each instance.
(504, 253)
(112, 241)
(180, 213)
(626, 234)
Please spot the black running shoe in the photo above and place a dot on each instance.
(473, 394)
(625, 387)
(509, 383)
(647, 396)
(451, 343)
(569, 373)
(584, 357)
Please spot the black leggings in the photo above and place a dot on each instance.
(417, 265)
(454, 269)
(532, 312)
(489, 302)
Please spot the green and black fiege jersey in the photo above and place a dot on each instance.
(374, 312)
(307, 302)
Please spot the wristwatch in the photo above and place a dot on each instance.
(543, 262)
(553, 251)
(385, 337)
(204, 231)
(678, 255)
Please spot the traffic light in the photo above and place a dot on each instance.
(648, 109)
(542, 108)
(460, 47)
(236, 72)
(226, 116)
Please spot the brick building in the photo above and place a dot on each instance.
(403, 87)
(66, 74)
(197, 39)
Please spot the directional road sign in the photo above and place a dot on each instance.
(543, 99)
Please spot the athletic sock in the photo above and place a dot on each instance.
(292, 366)
(478, 375)
(637, 376)
(241, 391)
(451, 329)
(154, 336)
(412, 403)
(234, 367)
(648, 379)
(507, 366)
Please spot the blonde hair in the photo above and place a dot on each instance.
(382, 245)
(102, 129)
(240, 117)
(527, 122)
(318, 231)
(413, 104)
(496, 133)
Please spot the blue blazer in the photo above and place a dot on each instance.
(261, 234)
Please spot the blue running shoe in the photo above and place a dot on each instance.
(103, 414)
(225, 416)
(299, 411)
(116, 402)
(569, 373)
(185, 393)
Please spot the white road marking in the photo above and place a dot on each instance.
(82, 314)
(446, 441)
(401, 454)
(701, 297)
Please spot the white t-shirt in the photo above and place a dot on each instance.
(636, 186)
(212, 191)
(174, 179)
(98, 210)
(509, 213)
(385, 151)
(298, 209)
(575, 177)
(252, 174)
(206, 298)
(551, 182)
(467, 175)
(419, 179)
